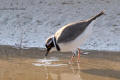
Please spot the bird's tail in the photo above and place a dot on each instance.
(98, 15)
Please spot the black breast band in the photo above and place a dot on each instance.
(55, 44)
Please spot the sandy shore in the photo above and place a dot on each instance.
(11, 51)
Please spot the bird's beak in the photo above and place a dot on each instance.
(46, 53)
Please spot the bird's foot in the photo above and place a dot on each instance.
(72, 59)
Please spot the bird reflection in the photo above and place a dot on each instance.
(56, 73)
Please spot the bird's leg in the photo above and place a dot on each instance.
(78, 54)
(72, 57)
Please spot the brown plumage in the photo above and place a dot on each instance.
(71, 31)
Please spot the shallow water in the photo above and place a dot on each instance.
(92, 66)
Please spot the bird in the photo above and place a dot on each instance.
(69, 37)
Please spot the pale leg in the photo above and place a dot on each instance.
(78, 55)
(72, 58)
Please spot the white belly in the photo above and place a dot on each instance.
(73, 45)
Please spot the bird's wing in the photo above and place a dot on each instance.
(71, 31)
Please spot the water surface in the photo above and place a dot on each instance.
(31, 65)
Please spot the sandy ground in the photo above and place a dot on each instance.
(27, 23)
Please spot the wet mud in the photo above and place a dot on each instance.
(30, 64)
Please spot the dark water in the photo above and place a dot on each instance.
(31, 65)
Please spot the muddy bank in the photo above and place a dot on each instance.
(11, 51)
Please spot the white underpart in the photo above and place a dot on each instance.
(73, 45)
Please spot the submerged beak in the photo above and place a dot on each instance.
(46, 53)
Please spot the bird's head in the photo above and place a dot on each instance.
(49, 45)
